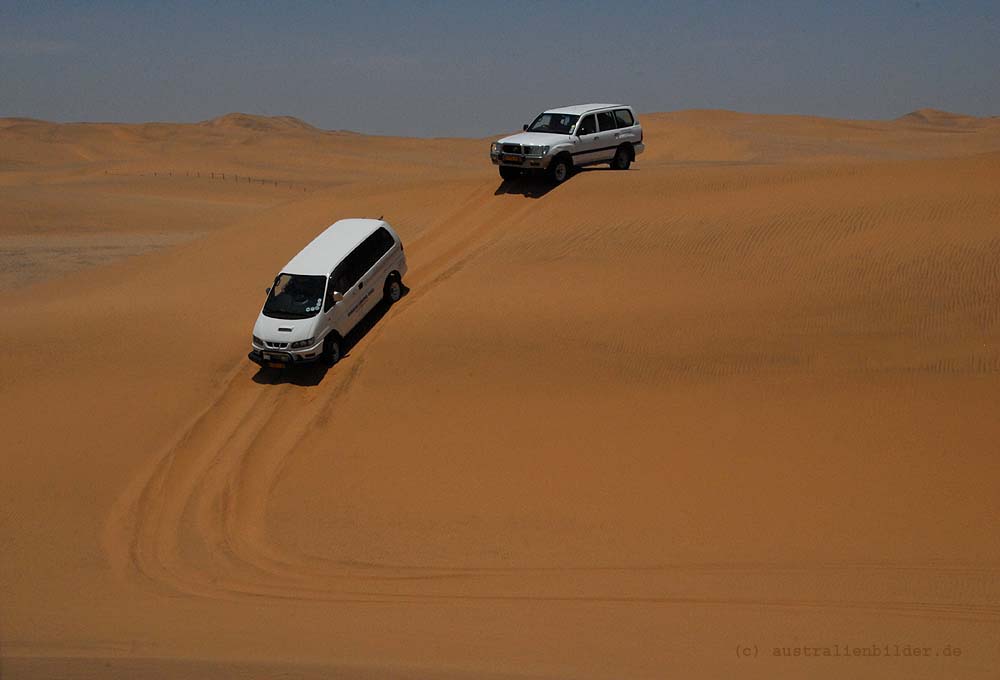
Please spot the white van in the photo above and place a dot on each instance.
(322, 293)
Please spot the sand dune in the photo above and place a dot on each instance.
(740, 397)
(259, 123)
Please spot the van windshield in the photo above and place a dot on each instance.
(295, 296)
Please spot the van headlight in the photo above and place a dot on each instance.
(536, 150)
(303, 343)
(257, 341)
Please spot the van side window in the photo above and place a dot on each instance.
(587, 127)
(385, 241)
(366, 256)
(347, 273)
(606, 119)
(624, 117)
(361, 259)
(373, 248)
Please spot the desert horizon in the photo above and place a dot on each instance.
(673, 422)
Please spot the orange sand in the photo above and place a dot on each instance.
(741, 396)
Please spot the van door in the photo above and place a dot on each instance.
(332, 320)
(375, 250)
(369, 285)
(346, 280)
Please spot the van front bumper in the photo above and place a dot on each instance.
(272, 357)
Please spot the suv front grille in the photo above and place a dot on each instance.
(512, 148)
(277, 345)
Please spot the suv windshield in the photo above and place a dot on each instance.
(558, 123)
(294, 296)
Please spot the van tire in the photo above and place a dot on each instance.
(560, 169)
(509, 173)
(622, 159)
(393, 289)
(331, 349)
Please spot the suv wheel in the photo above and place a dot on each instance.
(622, 159)
(559, 170)
(393, 289)
(509, 173)
(331, 349)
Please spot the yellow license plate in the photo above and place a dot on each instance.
(275, 364)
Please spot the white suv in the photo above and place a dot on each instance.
(569, 137)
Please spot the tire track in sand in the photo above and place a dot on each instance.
(195, 521)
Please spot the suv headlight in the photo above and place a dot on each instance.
(495, 147)
(536, 150)
(303, 343)
(257, 341)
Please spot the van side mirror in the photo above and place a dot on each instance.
(332, 298)
(525, 127)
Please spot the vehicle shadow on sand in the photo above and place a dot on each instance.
(529, 187)
(312, 374)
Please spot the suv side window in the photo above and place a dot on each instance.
(588, 126)
(606, 119)
(624, 117)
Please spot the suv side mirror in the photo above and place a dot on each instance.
(267, 290)
(525, 127)
(338, 297)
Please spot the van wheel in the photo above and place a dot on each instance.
(559, 170)
(622, 159)
(393, 289)
(331, 350)
(509, 173)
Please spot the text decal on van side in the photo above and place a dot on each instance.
(360, 302)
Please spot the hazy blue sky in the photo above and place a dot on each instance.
(470, 69)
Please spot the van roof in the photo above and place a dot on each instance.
(327, 250)
(580, 109)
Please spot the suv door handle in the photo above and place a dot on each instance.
(361, 285)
